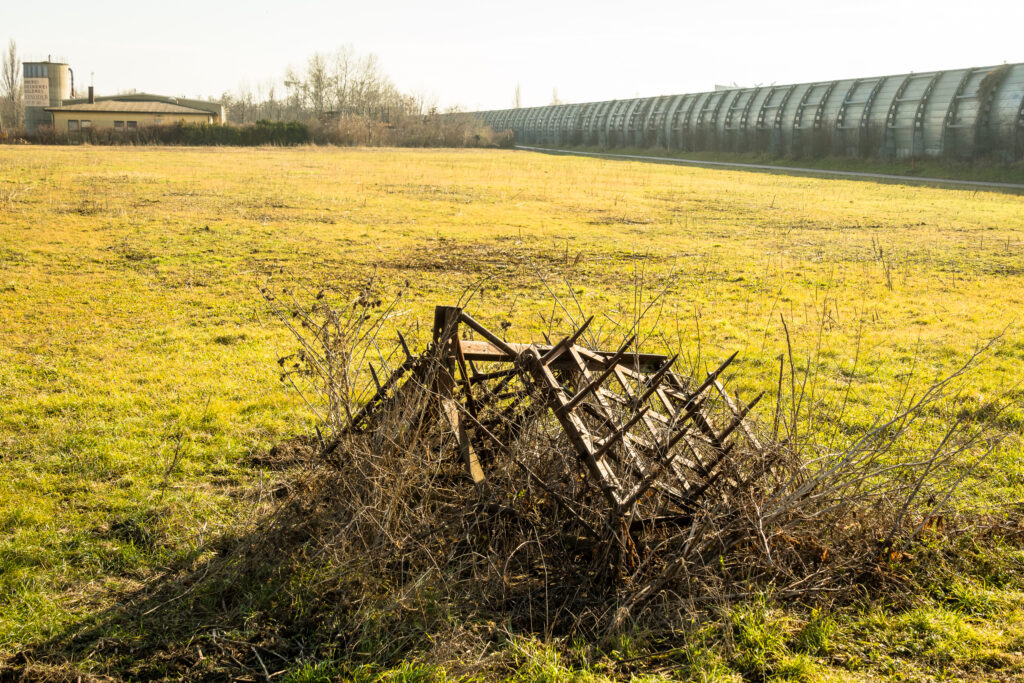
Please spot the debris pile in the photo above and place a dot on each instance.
(587, 487)
(627, 452)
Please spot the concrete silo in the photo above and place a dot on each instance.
(46, 84)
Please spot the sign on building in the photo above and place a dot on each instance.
(37, 92)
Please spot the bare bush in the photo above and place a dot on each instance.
(398, 517)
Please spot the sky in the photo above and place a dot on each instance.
(474, 53)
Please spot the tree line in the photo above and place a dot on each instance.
(334, 85)
(341, 97)
(12, 102)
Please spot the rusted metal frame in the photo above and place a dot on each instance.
(380, 397)
(737, 420)
(596, 383)
(669, 423)
(574, 428)
(603, 404)
(566, 344)
(478, 377)
(735, 410)
(621, 376)
(954, 108)
(446, 342)
(700, 418)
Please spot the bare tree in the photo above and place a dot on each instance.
(318, 83)
(517, 98)
(10, 81)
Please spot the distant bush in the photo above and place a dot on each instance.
(430, 130)
(279, 133)
(409, 130)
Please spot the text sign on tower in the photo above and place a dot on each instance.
(37, 92)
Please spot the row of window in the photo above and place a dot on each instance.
(74, 124)
(36, 71)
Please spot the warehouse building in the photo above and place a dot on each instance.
(49, 102)
(129, 113)
(962, 113)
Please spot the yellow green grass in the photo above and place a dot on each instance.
(137, 359)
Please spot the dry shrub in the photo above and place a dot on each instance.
(395, 527)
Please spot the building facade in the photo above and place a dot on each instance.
(125, 115)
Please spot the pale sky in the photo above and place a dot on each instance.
(473, 53)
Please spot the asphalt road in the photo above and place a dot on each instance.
(917, 180)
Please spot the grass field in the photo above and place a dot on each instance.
(138, 359)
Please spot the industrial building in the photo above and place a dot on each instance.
(49, 102)
(964, 114)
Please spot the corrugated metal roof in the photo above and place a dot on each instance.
(129, 108)
(212, 107)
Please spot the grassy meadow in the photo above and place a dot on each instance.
(139, 385)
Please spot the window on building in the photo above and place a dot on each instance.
(86, 124)
(72, 125)
(133, 125)
(118, 125)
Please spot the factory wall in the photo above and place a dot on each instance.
(964, 114)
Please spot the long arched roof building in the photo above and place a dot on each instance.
(966, 113)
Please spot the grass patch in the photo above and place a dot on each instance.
(138, 372)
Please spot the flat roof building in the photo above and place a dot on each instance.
(126, 114)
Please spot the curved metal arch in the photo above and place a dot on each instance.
(669, 119)
(675, 132)
(1018, 136)
(600, 124)
(762, 113)
(653, 118)
(798, 116)
(925, 97)
(587, 112)
(777, 123)
(745, 114)
(894, 108)
(820, 109)
(845, 104)
(553, 129)
(530, 123)
(983, 121)
(517, 120)
(567, 129)
(500, 119)
(712, 125)
(612, 125)
(647, 120)
(626, 124)
(954, 108)
(685, 134)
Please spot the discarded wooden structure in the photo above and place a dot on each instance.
(637, 426)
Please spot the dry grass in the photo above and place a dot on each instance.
(138, 376)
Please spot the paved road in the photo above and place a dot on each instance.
(943, 182)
